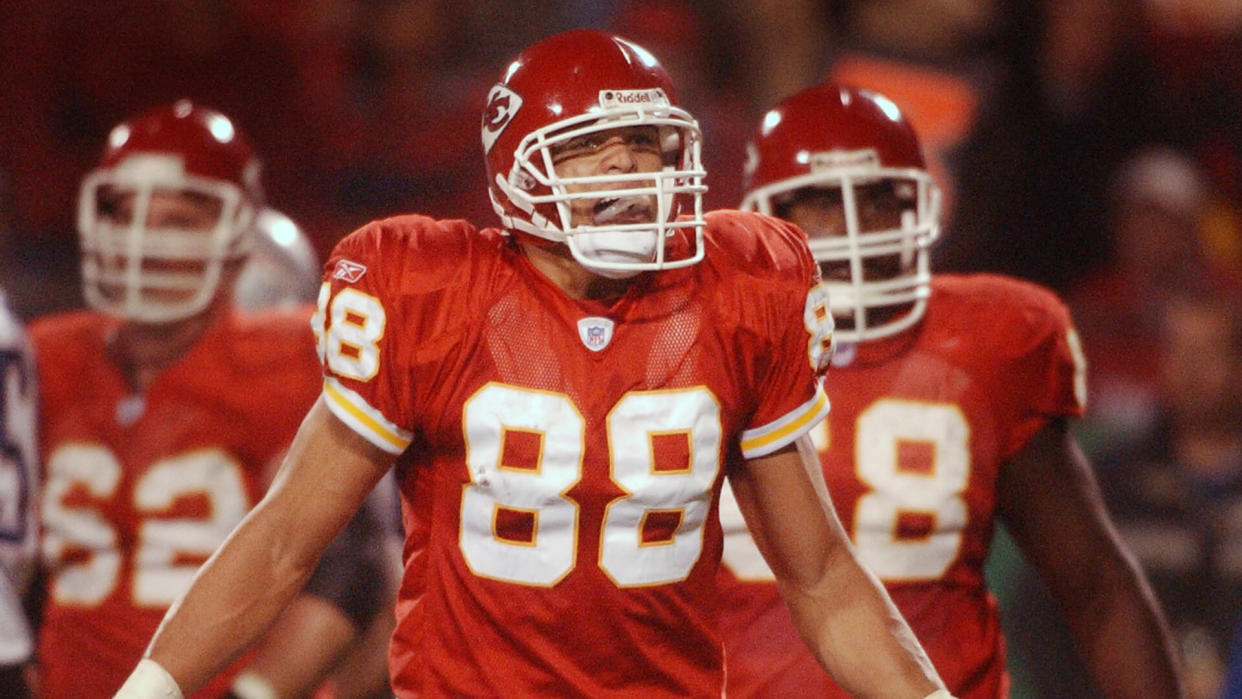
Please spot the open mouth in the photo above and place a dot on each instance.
(632, 209)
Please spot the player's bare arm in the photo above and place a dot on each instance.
(840, 609)
(1051, 504)
(239, 592)
(335, 632)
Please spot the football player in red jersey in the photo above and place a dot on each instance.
(567, 395)
(158, 431)
(951, 402)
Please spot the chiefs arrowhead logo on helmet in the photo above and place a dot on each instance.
(502, 105)
(496, 111)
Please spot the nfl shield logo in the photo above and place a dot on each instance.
(595, 332)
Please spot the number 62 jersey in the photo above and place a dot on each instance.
(141, 488)
(921, 425)
(566, 457)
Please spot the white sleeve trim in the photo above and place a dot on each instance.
(353, 410)
(768, 438)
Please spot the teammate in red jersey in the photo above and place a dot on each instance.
(951, 400)
(567, 395)
(159, 430)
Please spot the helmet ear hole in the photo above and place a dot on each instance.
(523, 181)
(670, 140)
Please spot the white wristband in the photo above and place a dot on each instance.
(149, 681)
(252, 685)
(940, 694)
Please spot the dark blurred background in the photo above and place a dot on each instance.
(1094, 146)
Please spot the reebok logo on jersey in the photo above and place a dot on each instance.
(348, 271)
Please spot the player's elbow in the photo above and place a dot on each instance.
(810, 571)
(288, 549)
(1096, 589)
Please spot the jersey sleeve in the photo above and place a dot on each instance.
(795, 336)
(384, 295)
(1048, 378)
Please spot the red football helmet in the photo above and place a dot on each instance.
(569, 86)
(836, 137)
(140, 261)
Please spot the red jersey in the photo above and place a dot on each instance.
(921, 426)
(566, 457)
(141, 489)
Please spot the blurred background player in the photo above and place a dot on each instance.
(951, 401)
(19, 486)
(157, 428)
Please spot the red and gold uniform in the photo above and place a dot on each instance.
(141, 489)
(921, 425)
(567, 456)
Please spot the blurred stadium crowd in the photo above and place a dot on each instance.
(1094, 146)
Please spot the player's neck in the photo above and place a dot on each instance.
(144, 350)
(578, 282)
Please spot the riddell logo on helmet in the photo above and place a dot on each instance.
(847, 159)
(153, 166)
(654, 97)
(502, 105)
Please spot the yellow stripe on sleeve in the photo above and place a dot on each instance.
(768, 442)
(374, 429)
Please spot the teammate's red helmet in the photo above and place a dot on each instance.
(164, 272)
(572, 85)
(840, 137)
